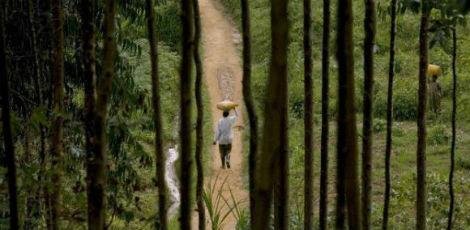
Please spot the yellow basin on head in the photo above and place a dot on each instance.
(226, 105)
(434, 70)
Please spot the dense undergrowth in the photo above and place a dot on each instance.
(405, 112)
(131, 190)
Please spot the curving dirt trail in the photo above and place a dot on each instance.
(223, 79)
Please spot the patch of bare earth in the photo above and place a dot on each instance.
(223, 79)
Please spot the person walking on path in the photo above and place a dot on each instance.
(224, 136)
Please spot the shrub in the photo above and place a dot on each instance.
(438, 135)
(379, 125)
(168, 24)
(405, 99)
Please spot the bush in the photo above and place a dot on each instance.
(438, 135)
(168, 24)
(405, 100)
(379, 125)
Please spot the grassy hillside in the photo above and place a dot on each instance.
(404, 131)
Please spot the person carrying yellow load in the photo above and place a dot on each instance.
(223, 132)
(434, 88)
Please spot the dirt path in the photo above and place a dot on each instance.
(223, 79)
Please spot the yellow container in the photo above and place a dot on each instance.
(226, 105)
(434, 70)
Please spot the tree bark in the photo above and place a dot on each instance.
(185, 106)
(249, 104)
(7, 133)
(57, 110)
(347, 159)
(325, 116)
(273, 158)
(388, 145)
(157, 117)
(421, 122)
(199, 120)
(308, 119)
(367, 136)
(87, 13)
(453, 141)
(96, 108)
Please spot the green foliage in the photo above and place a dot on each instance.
(379, 125)
(439, 135)
(169, 24)
(463, 163)
(405, 103)
(216, 204)
(405, 100)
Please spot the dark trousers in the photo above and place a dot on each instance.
(225, 154)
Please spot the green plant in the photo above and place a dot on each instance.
(463, 163)
(243, 221)
(379, 125)
(216, 204)
(438, 135)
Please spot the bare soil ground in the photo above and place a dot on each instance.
(223, 79)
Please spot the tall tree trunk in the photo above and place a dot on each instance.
(369, 41)
(96, 107)
(308, 119)
(157, 118)
(250, 107)
(7, 134)
(388, 145)
(273, 158)
(199, 120)
(185, 106)
(58, 110)
(421, 122)
(325, 116)
(454, 117)
(281, 168)
(87, 14)
(347, 159)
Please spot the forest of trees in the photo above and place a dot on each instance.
(85, 127)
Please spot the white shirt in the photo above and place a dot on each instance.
(223, 133)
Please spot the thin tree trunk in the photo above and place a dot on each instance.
(199, 120)
(250, 107)
(369, 41)
(159, 155)
(325, 116)
(7, 133)
(87, 13)
(454, 117)
(308, 119)
(388, 145)
(58, 110)
(157, 118)
(273, 158)
(421, 122)
(347, 159)
(185, 106)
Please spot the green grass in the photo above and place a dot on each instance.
(404, 131)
